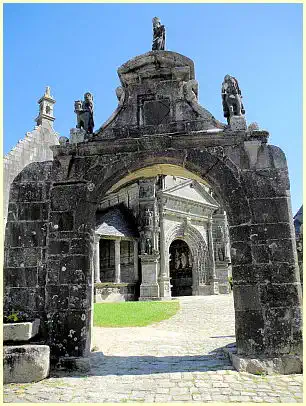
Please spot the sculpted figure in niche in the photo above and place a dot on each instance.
(159, 35)
(84, 111)
(177, 259)
(220, 243)
(148, 217)
(142, 245)
(148, 246)
(231, 98)
(183, 260)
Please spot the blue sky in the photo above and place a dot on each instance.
(75, 48)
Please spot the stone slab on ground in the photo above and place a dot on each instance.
(26, 363)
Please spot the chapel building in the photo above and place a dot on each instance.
(175, 219)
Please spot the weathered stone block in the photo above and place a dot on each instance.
(21, 277)
(249, 331)
(74, 269)
(26, 234)
(275, 251)
(12, 212)
(268, 366)
(280, 332)
(26, 363)
(238, 123)
(70, 333)
(240, 233)
(20, 331)
(266, 183)
(280, 295)
(77, 135)
(241, 253)
(78, 297)
(22, 257)
(246, 297)
(35, 172)
(29, 192)
(62, 221)
(266, 231)
(81, 364)
(270, 210)
(269, 272)
(53, 270)
(32, 211)
(28, 300)
(57, 247)
(278, 156)
(57, 297)
(79, 245)
(66, 197)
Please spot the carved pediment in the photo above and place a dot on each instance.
(190, 192)
(159, 95)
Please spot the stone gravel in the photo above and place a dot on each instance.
(176, 360)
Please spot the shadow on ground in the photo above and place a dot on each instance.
(103, 365)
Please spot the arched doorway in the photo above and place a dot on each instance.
(180, 265)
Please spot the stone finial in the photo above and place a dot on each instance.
(47, 92)
(46, 103)
(231, 98)
(84, 111)
(253, 127)
(159, 35)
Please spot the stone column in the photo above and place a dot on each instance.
(214, 282)
(195, 285)
(117, 261)
(136, 276)
(97, 259)
(164, 280)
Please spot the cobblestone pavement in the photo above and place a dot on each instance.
(176, 360)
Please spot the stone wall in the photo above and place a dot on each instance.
(26, 242)
(35, 147)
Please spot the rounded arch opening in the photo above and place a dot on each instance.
(181, 268)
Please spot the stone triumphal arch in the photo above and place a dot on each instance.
(51, 230)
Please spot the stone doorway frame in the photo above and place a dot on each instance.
(192, 266)
(201, 258)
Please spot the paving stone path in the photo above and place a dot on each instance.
(175, 360)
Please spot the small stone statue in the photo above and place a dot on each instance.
(148, 246)
(159, 35)
(84, 111)
(231, 98)
(142, 245)
(221, 252)
(148, 217)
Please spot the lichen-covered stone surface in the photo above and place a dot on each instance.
(26, 363)
(49, 234)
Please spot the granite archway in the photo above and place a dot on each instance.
(53, 206)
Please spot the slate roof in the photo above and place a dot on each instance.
(298, 220)
(116, 223)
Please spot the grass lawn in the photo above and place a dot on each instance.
(133, 314)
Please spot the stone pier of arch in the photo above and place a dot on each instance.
(51, 247)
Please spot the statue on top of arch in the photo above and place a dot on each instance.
(84, 111)
(159, 35)
(231, 98)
